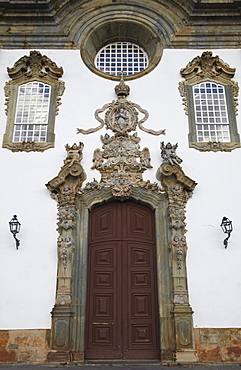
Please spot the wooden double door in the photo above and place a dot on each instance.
(122, 309)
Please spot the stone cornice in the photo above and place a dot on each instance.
(56, 24)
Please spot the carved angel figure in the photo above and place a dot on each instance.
(168, 153)
(98, 159)
(145, 158)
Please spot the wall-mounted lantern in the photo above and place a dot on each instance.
(14, 225)
(227, 227)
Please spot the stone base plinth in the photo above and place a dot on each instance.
(186, 355)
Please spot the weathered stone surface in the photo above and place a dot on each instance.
(218, 344)
(32, 346)
(183, 23)
(23, 345)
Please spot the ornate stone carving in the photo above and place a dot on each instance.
(121, 162)
(168, 153)
(215, 146)
(195, 73)
(35, 67)
(180, 297)
(121, 115)
(64, 189)
(177, 216)
(66, 247)
(180, 246)
(29, 146)
(65, 186)
(207, 67)
(178, 188)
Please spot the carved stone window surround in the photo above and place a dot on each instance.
(210, 69)
(34, 67)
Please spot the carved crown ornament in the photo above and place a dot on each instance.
(121, 162)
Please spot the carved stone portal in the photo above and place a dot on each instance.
(121, 163)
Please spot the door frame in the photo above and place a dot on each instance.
(158, 203)
(168, 203)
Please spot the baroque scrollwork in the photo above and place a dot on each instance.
(215, 146)
(28, 146)
(207, 66)
(121, 115)
(64, 187)
(35, 65)
(121, 161)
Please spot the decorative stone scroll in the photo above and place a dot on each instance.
(178, 188)
(121, 162)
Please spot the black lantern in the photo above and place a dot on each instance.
(14, 228)
(227, 227)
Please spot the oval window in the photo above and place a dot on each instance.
(121, 57)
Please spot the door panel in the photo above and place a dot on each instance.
(103, 301)
(106, 224)
(122, 315)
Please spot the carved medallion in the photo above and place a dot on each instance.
(121, 162)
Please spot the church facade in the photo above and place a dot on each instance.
(120, 129)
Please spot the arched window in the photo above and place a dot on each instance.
(32, 105)
(32, 112)
(211, 114)
(210, 100)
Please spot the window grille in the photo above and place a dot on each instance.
(211, 114)
(121, 56)
(31, 118)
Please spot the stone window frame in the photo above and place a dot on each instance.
(121, 29)
(39, 68)
(210, 69)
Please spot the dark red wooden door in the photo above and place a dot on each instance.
(122, 310)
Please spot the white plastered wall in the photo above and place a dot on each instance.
(28, 276)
